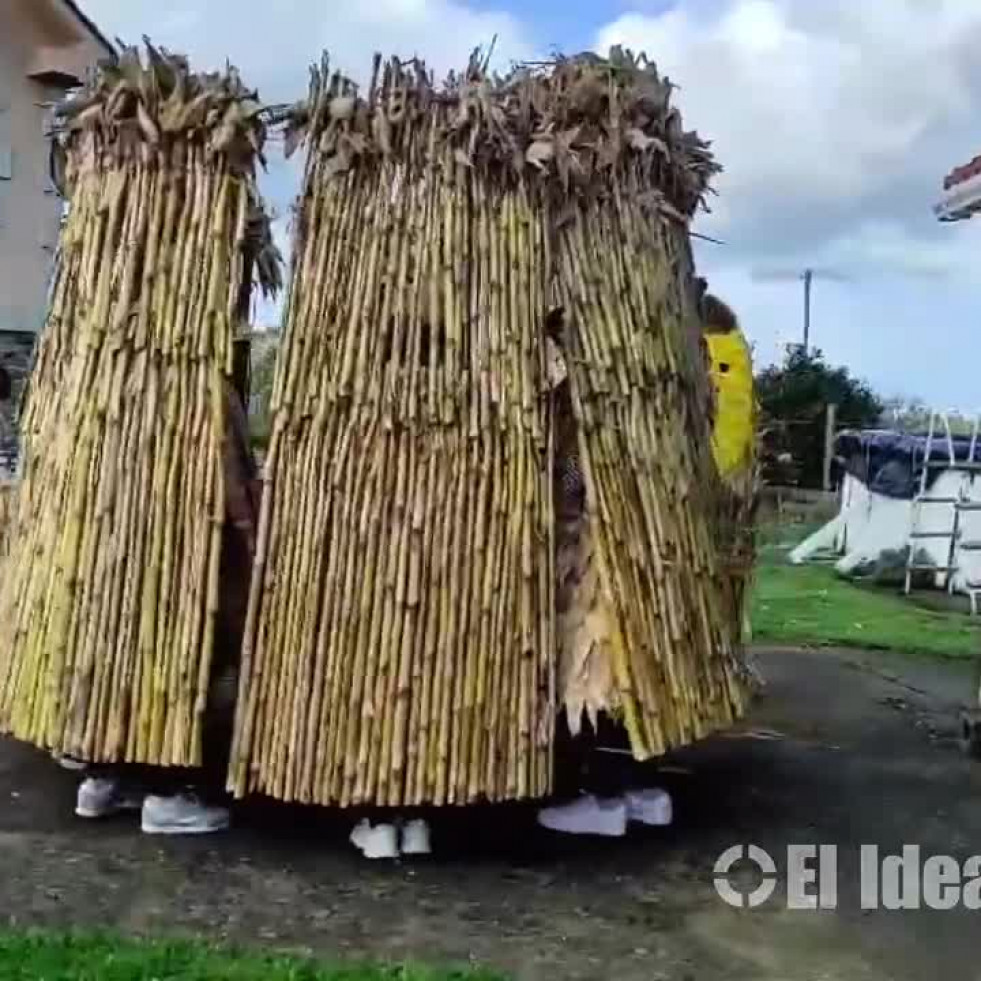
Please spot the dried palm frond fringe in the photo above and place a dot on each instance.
(108, 594)
(401, 641)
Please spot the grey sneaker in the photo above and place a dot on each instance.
(100, 797)
(184, 814)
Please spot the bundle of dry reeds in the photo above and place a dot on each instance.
(398, 647)
(108, 595)
(401, 642)
(6, 509)
(641, 399)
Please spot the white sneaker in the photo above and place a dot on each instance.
(69, 762)
(183, 814)
(587, 816)
(651, 807)
(416, 839)
(359, 834)
(381, 841)
(100, 797)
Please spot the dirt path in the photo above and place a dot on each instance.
(860, 749)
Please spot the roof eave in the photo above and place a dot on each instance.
(90, 26)
(961, 201)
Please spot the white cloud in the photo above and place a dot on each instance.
(827, 116)
(879, 248)
(273, 43)
(836, 121)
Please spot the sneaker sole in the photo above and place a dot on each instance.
(588, 834)
(89, 815)
(92, 815)
(607, 832)
(650, 822)
(177, 829)
(381, 856)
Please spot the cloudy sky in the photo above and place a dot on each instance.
(835, 120)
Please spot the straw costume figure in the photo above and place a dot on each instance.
(123, 586)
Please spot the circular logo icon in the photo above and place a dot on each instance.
(723, 869)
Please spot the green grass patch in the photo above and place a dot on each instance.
(810, 605)
(74, 957)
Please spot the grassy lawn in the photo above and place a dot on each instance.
(62, 957)
(809, 604)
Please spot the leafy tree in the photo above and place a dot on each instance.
(913, 416)
(793, 398)
(263, 370)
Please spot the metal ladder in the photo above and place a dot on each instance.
(959, 505)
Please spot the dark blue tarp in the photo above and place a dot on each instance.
(891, 463)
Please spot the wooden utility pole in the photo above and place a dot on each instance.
(808, 277)
(831, 415)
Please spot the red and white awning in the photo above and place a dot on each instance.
(962, 193)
